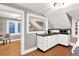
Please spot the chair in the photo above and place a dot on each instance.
(5, 38)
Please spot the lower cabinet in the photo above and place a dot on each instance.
(46, 42)
(64, 39)
(41, 43)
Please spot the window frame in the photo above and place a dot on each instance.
(11, 27)
(16, 27)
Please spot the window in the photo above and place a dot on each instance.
(19, 27)
(11, 27)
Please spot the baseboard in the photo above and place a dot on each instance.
(15, 40)
(11, 40)
(29, 50)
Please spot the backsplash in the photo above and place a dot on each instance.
(60, 31)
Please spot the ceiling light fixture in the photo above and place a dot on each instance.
(58, 5)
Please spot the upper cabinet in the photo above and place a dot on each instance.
(36, 23)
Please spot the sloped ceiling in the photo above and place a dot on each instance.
(57, 18)
(43, 8)
(9, 15)
(38, 7)
(74, 13)
(73, 10)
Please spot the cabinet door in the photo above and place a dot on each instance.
(40, 42)
(48, 42)
(60, 39)
(67, 40)
(64, 40)
(52, 41)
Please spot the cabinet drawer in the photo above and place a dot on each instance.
(40, 41)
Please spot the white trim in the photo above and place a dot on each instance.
(12, 40)
(15, 40)
(37, 16)
(14, 10)
(16, 27)
(29, 50)
(22, 32)
(72, 44)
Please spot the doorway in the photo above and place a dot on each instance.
(10, 24)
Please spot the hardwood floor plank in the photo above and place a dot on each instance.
(58, 50)
(13, 49)
(10, 49)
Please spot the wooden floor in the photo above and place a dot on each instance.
(13, 49)
(58, 50)
(10, 49)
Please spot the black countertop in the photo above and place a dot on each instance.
(50, 34)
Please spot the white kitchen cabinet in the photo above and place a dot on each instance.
(52, 40)
(64, 39)
(46, 42)
(40, 42)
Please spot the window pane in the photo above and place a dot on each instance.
(19, 27)
(11, 27)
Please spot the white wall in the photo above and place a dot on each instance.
(73, 27)
(50, 26)
(3, 26)
(26, 43)
(4, 22)
(74, 13)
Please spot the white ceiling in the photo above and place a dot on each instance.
(38, 7)
(5, 14)
(73, 10)
(46, 8)
(57, 17)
